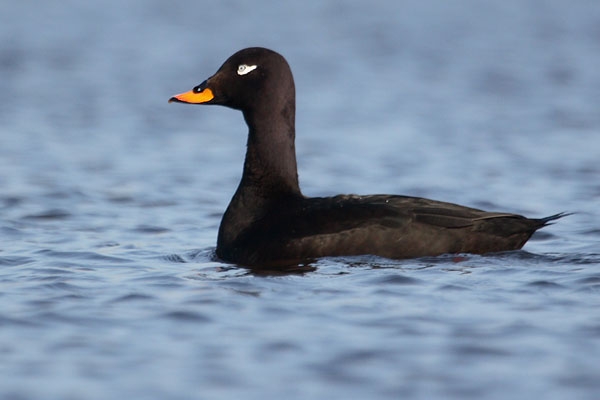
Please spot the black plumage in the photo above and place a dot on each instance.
(270, 223)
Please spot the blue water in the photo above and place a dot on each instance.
(111, 198)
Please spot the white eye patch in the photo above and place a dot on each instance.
(243, 69)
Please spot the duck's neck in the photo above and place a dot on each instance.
(270, 169)
(270, 175)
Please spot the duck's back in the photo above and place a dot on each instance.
(391, 226)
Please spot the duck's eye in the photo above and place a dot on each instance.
(243, 69)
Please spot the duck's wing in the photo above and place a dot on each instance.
(385, 225)
(403, 226)
(351, 211)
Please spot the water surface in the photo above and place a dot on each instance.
(111, 199)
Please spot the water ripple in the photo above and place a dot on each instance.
(81, 255)
(48, 215)
(15, 260)
(187, 316)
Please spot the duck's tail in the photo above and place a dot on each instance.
(548, 220)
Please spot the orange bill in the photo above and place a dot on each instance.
(193, 97)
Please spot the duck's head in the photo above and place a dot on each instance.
(251, 78)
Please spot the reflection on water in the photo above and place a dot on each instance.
(111, 200)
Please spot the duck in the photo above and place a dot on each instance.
(270, 223)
